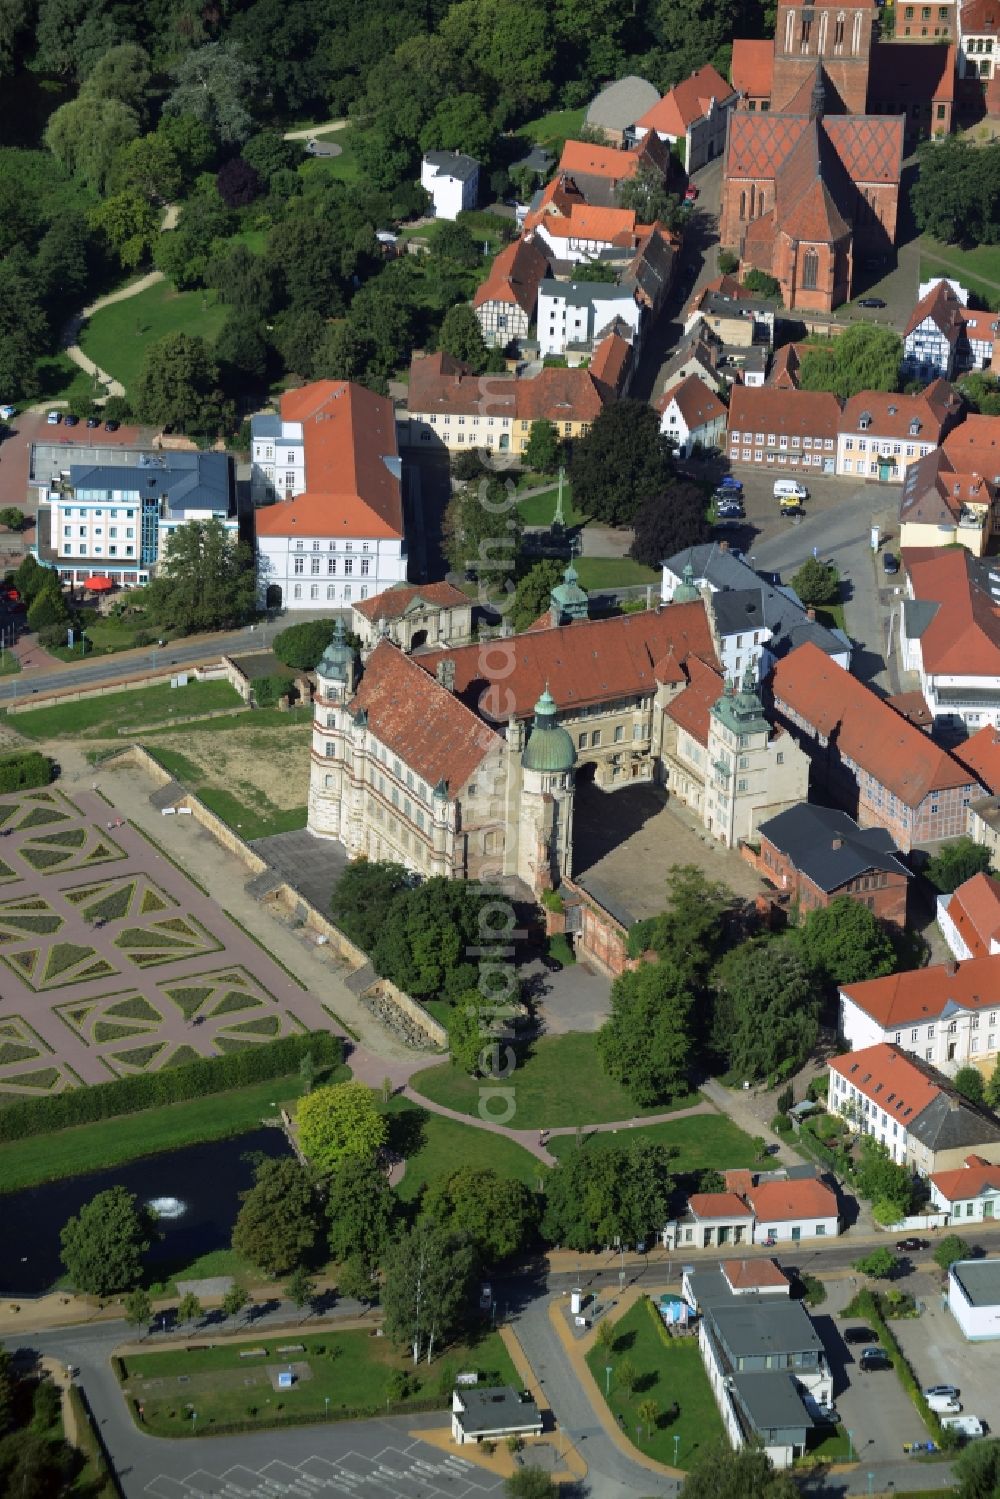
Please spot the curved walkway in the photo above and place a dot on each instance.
(307, 133)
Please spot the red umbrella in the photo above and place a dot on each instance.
(98, 585)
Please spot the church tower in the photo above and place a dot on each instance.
(545, 834)
(839, 37)
(329, 766)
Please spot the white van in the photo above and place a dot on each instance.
(967, 1426)
(944, 1405)
(790, 489)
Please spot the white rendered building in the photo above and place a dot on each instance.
(452, 180)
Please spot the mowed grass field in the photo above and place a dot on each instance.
(100, 717)
(703, 1142)
(117, 337)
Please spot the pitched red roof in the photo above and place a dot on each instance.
(800, 413)
(349, 438)
(981, 754)
(974, 446)
(892, 415)
(921, 994)
(609, 362)
(394, 602)
(598, 161)
(752, 68)
(784, 371)
(438, 384)
(782, 1201)
(690, 709)
(933, 494)
(515, 275)
(809, 685)
(968, 1181)
(581, 663)
(430, 729)
(718, 1205)
(964, 635)
(944, 309)
(696, 403)
(686, 102)
(981, 18)
(975, 910)
(754, 1275)
(870, 146)
(887, 1075)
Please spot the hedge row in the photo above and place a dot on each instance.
(89, 1441)
(869, 1306)
(24, 771)
(130, 1095)
(293, 1418)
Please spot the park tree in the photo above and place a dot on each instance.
(138, 1308)
(191, 141)
(669, 522)
(241, 350)
(763, 285)
(427, 937)
(297, 335)
(86, 135)
(242, 280)
(36, 1465)
(179, 386)
(212, 85)
(970, 1083)
(14, 17)
(533, 593)
(300, 646)
(817, 582)
(529, 1482)
(129, 225)
(205, 580)
(991, 1094)
(691, 930)
(427, 1292)
(495, 1213)
(483, 532)
(104, 1243)
(24, 330)
(269, 153)
(881, 1264)
(237, 183)
(361, 1211)
(866, 356)
(123, 73)
(12, 518)
(365, 891)
(646, 1042)
(598, 1197)
(469, 1043)
(454, 242)
(977, 1471)
(844, 943)
(956, 862)
(459, 123)
(543, 452)
(236, 1299)
(980, 391)
(747, 1473)
(621, 462)
(72, 35)
(338, 1122)
(301, 1289)
(956, 193)
(462, 337)
(510, 45)
(950, 1249)
(765, 1018)
(189, 1308)
(48, 607)
(278, 1223)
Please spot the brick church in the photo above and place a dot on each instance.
(811, 179)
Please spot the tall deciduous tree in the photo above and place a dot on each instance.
(845, 942)
(24, 331)
(123, 73)
(483, 532)
(366, 889)
(956, 862)
(428, 938)
(428, 1287)
(544, 450)
(745, 1474)
(622, 461)
(462, 337)
(213, 85)
(766, 1011)
(497, 1215)
(646, 1042)
(667, 523)
(86, 135)
(277, 1226)
(646, 193)
(179, 386)
(129, 223)
(103, 1244)
(340, 1121)
(817, 582)
(361, 1209)
(865, 357)
(600, 1196)
(205, 580)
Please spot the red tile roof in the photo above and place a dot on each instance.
(964, 635)
(798, 413)
(870, 146)
(942, 306)
(348, 434)
(584, 221)
(609, 363)
(981, 18)
(889, 1078)
(438, 384)
(587, 662)
(718, 1205)
(784, 371)
(921, 994)
(598, 161)
(974, 446)
(687, 102)
(430, 729)
(930, 412)
(810, 685)
(696, 403)
(933, 494)
(975, 910)
(783, 1201)
(754, 1275)
(691, 708)
(752, 68)
(981, 754)
(394, 602)
(515, 275)
(968, 1181)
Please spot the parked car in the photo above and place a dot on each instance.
(691, 193)
(485, 1296)
(6, 412)
(790, 489)
(54, 418)
(910, 1246)
(890, 564)
(792, 509)
(93, 421)
(730, 512)
(71, 420)
(941, 1392)
(729, 481)
(874, 1358)
(943, 1405)
(859, 1335)
(111, 426)
(871, 302)
(966, 1426)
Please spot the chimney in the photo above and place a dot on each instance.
(837, 843)
(445, 673)
(810, 613)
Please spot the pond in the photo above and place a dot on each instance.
(195, 1192)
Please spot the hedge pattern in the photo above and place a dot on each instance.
(24, 771)
(130, 1095)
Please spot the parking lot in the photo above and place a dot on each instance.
(31, 426)
(939, 1354)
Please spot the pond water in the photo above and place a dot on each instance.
(195, 1192)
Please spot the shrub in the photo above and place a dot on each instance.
(24, 771)
(784, 1100)
(781, 1124)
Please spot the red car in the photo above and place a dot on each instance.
(691, 195)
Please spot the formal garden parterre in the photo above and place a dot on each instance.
(111, 966)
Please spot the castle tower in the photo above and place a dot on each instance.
(545, 840)
(568, 601)
(839, 37)
(331, 756)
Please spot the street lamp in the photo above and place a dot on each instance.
(871, 1484)
(850, 1446)
(326, 1402)
(677, 1448)
(609, 1369)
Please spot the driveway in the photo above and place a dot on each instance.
(873, 1407)
(939, 1353)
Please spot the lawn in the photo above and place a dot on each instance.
(110, 1142)
(669, 1372)
(349, 1372)
(262, 821)
(555, 128)
(702, 1141)
(435, 1146)
(613, 572)
(346, 166)
(539, 509)
(59, 380)
(117, 337)
(561, 1082)
(99, 717)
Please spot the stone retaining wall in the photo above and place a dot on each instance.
(148, 678)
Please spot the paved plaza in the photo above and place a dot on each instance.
(112, 962)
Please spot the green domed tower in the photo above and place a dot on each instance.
(337, 661)
(550, 749)
(686, 592)
(568, 600)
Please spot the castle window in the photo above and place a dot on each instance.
(804, 34)
(838, 33)
(810, 270)
(743, 205)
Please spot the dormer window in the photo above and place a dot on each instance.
(914, 426)
(865, 421)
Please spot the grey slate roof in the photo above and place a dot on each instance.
(582, 293)
(917, 615)
(751, 1327)
(772, 1402)
(807, 835)
(453, 164)
(185, 481)
(266, 424)
(714, 303)
(980, 1280)
(950, 1122)
(496, 1409)
(620, 104)
(537, 160)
